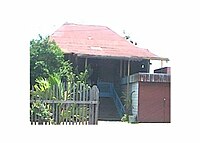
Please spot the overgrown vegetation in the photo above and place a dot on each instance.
(48, 70)
(127, 104)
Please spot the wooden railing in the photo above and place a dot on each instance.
(147, 77)
(118, 103)
(107, 90)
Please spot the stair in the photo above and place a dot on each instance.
(108, 110)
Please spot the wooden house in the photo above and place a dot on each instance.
(112, 60)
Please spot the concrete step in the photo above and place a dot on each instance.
(108, 110)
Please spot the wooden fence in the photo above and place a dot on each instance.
(77, 105)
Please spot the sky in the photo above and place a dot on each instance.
(147, 22)
(168, 28)
(160, 26)
(154, 25)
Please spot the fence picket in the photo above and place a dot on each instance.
(80, 108)
(83, 104)
(31, 114)
(66, 113)
(53, 110)
(73, 91)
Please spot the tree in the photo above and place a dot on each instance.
(47, 70)
(46, 58)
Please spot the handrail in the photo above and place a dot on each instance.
(112, 93)
(118, 103)
(105, 89)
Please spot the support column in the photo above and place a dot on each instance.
(124, 68)
(128, 75)
(161, 63)
(86, 61)
(128, 80)
(120, 70)
(76, 64)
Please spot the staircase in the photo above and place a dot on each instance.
(108, 110)
(110, 107)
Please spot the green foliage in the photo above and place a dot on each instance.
(83, 76)
(125, 118)
(47, 70)
(46, 58)
(41, 84)
(127, 102)
(42, 111)
(41, 88)
(79, 113)
(45, 89)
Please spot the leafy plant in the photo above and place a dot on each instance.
(83, 76)
(44, 89)
(125, 118)
(46, 58)
(48, 70)
(74, 113)
(42, 111)
(127, 104)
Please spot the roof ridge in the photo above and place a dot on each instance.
(70, 23)
(72, 38)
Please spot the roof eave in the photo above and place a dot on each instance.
(120, 57)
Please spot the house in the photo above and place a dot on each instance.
(112, 60)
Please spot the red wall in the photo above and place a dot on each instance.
(152, 107)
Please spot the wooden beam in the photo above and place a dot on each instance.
(128, 78)
(76, 64)
(86, 61)
(128, 69)
(124, 69)
(120, 69)
(76, 60)
(161, 63)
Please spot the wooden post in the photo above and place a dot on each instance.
(76, 63)
(161, 63)
(128, 79)
(85, 62)
(120, 69)
(76, 60)
(124, 68)
(94, 96)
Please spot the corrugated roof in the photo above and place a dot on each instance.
(98, 41)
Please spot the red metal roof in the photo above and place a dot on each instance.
(97, 41)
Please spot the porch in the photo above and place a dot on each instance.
(107, 74)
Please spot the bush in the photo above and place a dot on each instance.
(46, 58)
(47, 70)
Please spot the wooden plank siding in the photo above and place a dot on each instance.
(134, 92)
